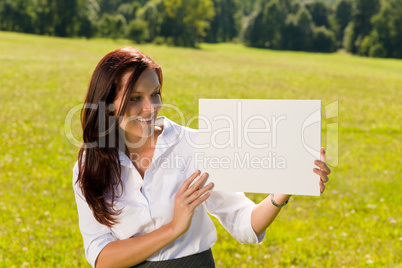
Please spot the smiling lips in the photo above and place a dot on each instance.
(146, 120)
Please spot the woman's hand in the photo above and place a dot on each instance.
(187, 199)
(323, 170)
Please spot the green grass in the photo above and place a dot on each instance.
(356, 223)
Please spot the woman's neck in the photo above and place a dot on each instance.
(141, 145)
(141, 156)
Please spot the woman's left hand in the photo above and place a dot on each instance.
(323, 170)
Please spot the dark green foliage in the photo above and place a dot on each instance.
(88, 15)
(362, 13)
(137, 30)
(65, 11)
(364, 27)
(299, 31)
(151, 13)
(367, 43)
(342, 17)
(186, 21)
(377, 50)
(245, 8)
(363, 10)
(113, 26)
(289, 25)
(267, 25)
(387, 26)
(16, 16)
(324, 40)
(349, 37)
(319, 12)
(223, 26)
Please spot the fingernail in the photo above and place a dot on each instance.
(316, 169)
(316, 162)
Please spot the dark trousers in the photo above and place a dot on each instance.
(199, 260)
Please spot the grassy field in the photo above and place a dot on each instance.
(356, 223)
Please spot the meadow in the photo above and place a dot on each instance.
(355, 223)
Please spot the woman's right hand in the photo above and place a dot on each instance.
(187, 199)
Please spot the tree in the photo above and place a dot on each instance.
(245, 8)
(129, 9)
(186, 20)
(88, 15)
(394, 42)
(274, 24)
(360, 26)
(137, 30)
(17, 15)
(349, 38)
(343, 15)
(266, 27)
(223, 26)
(363, 10)
(113, 26)
(299, 31)
(252, 35)
(152, 13)
(64, 14)
(324, 40)
(45, 17)
(385, 40)
(319, 13)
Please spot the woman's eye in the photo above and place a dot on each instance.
(156, 94)
(135, 99)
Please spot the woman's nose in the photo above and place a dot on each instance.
(149, 106)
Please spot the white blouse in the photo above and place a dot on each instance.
(148, 203)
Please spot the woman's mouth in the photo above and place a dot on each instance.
(145, 120)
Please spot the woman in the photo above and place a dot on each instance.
(135, 207)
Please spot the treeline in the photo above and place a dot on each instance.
(364, 27)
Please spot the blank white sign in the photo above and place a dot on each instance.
(260, 146)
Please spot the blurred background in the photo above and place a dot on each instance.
(345, 53)
(364, 27)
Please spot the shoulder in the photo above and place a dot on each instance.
(76, 169)
(179, 132)
(75, 173)
(182, 134)
(173, 126)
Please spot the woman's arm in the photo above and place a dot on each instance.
(131, 251)
(134, 250)
(265, 212)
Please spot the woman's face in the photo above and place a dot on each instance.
(143, 105)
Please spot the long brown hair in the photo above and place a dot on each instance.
(98, 158)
